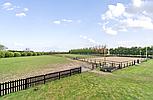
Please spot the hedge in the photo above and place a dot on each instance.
(29, 54)
(17, 54)
(9, 54)
(5, 54)
(2, 54)
(23, 54)
(34, 54)
(38, 53)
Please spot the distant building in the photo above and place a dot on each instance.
(27, 50)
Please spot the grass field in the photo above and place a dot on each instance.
(12, 67)
(133, 83)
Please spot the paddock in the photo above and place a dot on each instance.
(113, 63)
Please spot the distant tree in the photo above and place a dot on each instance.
(2, 47)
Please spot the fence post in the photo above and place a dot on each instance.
(17, 85)
(70, 72)
(137, 61)
(92, 66)
(5, 88)
(26, 83)
(80, 69)
(0, 89)
(112, 64)
(119, 66)
(59, 75)
(22, 84)
(100, 64)
(13, 86)
(44, 79)
(10, 86)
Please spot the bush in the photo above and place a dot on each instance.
(34, 54)
(46, 53)
(2, 54)
(9, 54)
(23, 54)
(42, 53)
(29, 54)
(17, 54)
(38, 53)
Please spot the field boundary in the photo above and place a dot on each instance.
(22, 84)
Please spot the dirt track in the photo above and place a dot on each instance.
(117, 59)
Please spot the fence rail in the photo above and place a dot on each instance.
(111, 65)
(22, 84)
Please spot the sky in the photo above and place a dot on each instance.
(61, 25)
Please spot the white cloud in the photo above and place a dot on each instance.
(110, 31)
(57, 22)
(25, 9)
(62, 21)
(139, 23)
(22, 14)
(114, 11)
(137, 3)
(67, 20)
(136, 15)
(90, 40)
(8, 6)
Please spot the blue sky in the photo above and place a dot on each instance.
(46, 25)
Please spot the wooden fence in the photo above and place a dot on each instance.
(109, 65)
(22, 84)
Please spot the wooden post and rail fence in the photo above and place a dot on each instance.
(22, 84)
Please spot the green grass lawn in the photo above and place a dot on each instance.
(133, 83)
(24, 65)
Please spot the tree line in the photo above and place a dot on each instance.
(115, 51)
(13, 53)
(89, 51)
(131, 51)
(120, 51)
